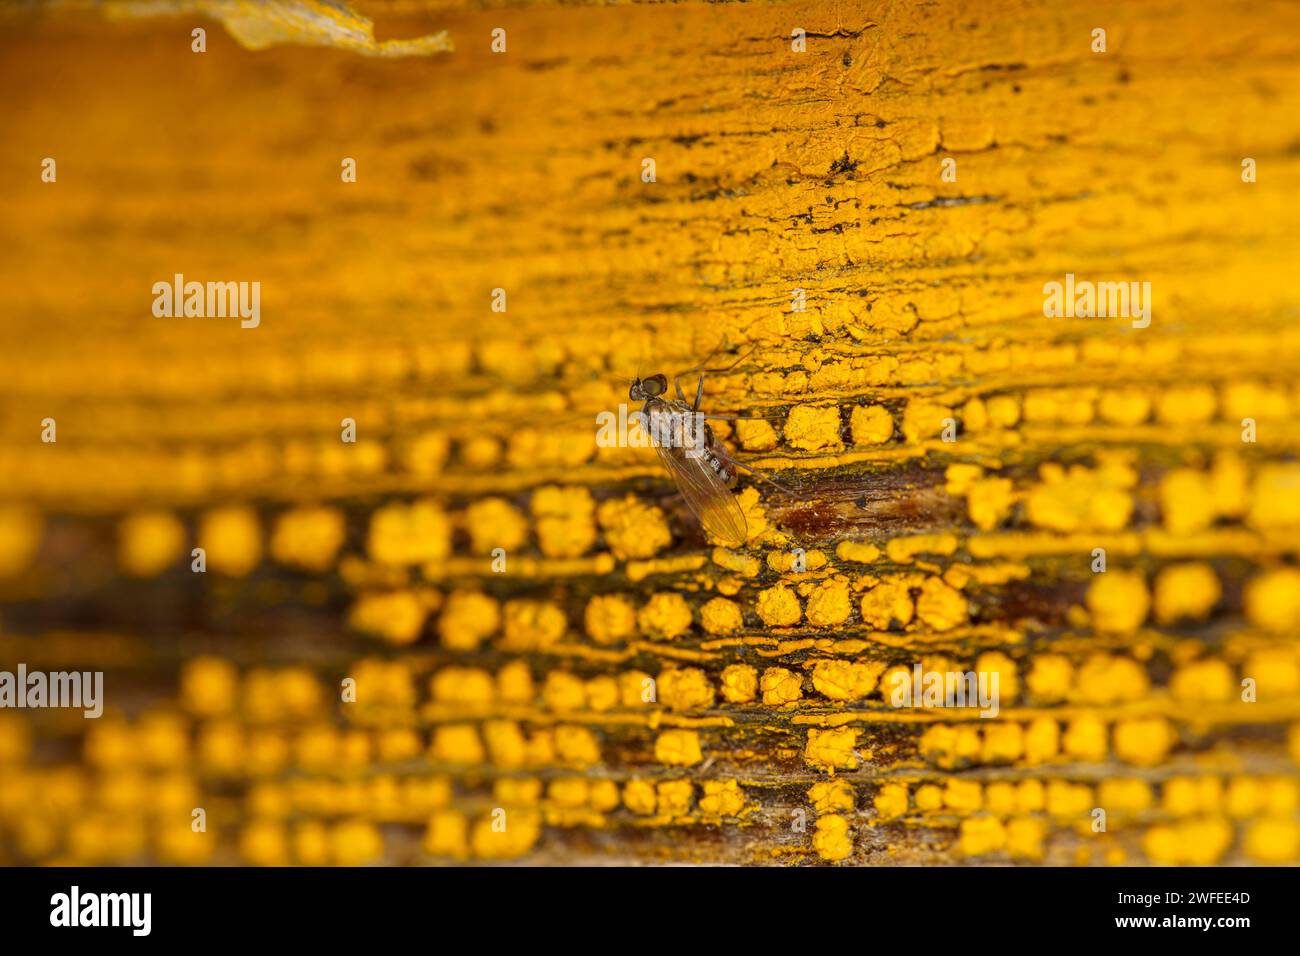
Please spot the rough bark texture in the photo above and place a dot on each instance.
(622, 690)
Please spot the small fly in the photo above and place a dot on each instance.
(699, 464)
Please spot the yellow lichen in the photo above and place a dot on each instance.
(780, 686)
(778, 606)
(1119, 601)
(678, 748)
(832, 749)
(665, 615)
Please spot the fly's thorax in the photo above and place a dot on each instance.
(672, 424)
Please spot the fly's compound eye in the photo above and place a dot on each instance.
(655, 385)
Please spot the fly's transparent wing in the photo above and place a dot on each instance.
(707, 495)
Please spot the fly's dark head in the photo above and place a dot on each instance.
(651, 387)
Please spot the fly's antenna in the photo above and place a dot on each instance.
(703, 363)
(774, 417)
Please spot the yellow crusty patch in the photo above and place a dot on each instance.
(814, 428)
(780, 686)
(904, 550)
(495, 523)
(576, 746)
(308, 537)
(563, 691)
(989, 501)
(678, 748)
(639, 796)
(888, 602)
(457, 744)
(232, 540)
(982, 835)
(721, 616)
(1108, 678)
(148, 542)
(1273, 840)
(721, 798)
(397, 617)
(505, 834)
(465, 686)
(996, 662)
(756, 435)
(609, 619)
(829, 603)
(1186, 501)
(467, 619)
(1273, 600)
(506, 744)
(20, 536)
(209, 686)
(1118, 601)
(1080, 499)
(1025, 837)
(1004, 743)
(515, 683)
(940, 606)
(1275, 670)
(1143, 741)
(674, 797)
(958, 477)
(832, 796)
(564, 521)
(685, 688)
(846, 680)
(1275, 497)
(1086, 738)
(1049, 677)
(891, 801)
(530, 625)
(925, 420)
(779, 606)
(963, 796)
(1070, 436)
(602, 693)
(1197, 842)
(831, 838)
(1205, 680)
(951, 746)
(1124, 796)
(833, 749)
(665, 615)
(633, 529)
(744, 564)
(871, 425)
(447, 835)
(783, 561)
(861, 552)
(1186, 592)
(1042, 741)
(739, 683)
(402, 534)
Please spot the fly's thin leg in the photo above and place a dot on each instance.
(763, 477)
(700, 392)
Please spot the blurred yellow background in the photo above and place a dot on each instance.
(351, 680)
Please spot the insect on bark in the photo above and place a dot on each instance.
(699, 464)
